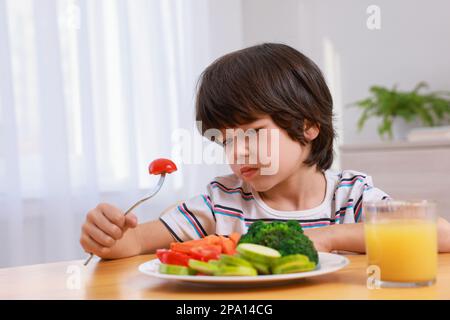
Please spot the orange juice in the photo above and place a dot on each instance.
(405, 250)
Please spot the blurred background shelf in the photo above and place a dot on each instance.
(405, 170)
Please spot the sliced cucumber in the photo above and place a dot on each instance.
(236, 271)
(203, 267)
(261, 267)
(258, 253)
(300, 258)
(174, 269)
(214, 262)
(293, 267)
(230, 260)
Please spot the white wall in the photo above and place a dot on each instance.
(412, 45)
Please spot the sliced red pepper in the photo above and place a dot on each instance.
(186, 246)
(172, 257)
(162, 254)
(206, 252)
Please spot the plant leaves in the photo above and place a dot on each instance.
(389, 104)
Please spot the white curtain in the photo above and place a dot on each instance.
(90, 93)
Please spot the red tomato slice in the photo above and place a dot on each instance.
(172, 257)
(206, 252)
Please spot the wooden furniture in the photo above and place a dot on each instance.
(120, 279)
(405, 170)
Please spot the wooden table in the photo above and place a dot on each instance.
(120, 279)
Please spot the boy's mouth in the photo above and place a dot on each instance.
(248, 172)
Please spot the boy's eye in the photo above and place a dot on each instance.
(256, 130)
(227, 141)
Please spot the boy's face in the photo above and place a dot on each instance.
(263, 154)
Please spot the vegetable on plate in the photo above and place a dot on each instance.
(267, 248)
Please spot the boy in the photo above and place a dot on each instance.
(271, 88)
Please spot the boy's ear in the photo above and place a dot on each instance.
(311, 131)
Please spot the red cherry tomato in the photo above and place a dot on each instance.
(162, 165)
(172, 257)
(206, 252)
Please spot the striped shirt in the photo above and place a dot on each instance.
(231, 205)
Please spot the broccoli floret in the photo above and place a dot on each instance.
(286, 237)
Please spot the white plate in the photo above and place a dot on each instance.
(328, 262)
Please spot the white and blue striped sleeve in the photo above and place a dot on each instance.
(353, 189)
(367, 193)
(192, 219)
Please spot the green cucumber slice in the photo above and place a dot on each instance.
(202, 267)
(293, 267)
(174, 269)
(258, 253)
(300, 258)
(236, 271)
(214, 262)
(230, 260)
(261, 267)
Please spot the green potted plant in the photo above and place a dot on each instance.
(429, 109)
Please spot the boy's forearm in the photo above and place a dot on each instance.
(128, 246)
(443, 235)
(347, 237)
(339, 237)
(350, 237)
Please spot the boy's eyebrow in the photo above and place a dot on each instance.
(259, 127)
(255, 128)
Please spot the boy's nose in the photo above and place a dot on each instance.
(242, 155)
(244, 152)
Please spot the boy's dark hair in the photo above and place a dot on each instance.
(269, 79)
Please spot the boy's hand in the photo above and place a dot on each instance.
(443, 235)
(338, 237)
(104, 225)
(321, 238)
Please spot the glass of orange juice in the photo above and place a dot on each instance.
(401, 242)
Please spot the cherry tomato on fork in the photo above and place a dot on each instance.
(161, 165)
